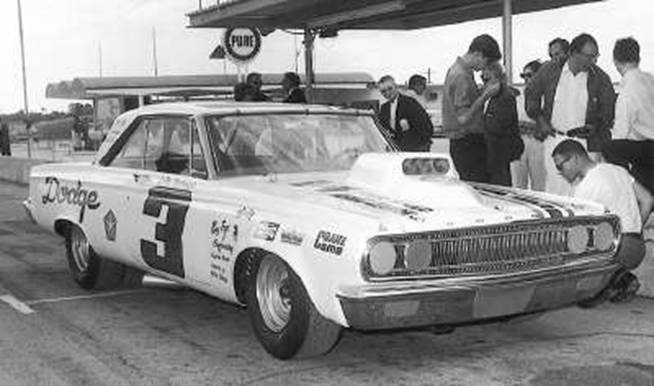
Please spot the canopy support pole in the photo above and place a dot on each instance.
(309, 38)
(507, 41)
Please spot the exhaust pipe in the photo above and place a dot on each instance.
(151, 281)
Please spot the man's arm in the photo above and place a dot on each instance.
(645, 201)
(534, 94)
(464, 115)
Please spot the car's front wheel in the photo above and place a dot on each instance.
(283, 316)
(89, 270)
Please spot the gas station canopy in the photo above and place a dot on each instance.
(358, 14)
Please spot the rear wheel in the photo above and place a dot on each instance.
(283, 316)
(89, 270)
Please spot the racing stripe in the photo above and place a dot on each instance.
(552, 210)
(535, 209)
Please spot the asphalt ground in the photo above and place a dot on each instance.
(54, 333)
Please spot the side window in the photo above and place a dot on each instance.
(164, 144)
(142, 148)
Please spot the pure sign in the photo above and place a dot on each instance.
(242, 44)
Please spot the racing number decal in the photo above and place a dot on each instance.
(170, 232)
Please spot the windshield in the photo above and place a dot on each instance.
(290, 143)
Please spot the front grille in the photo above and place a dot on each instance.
(496, 249)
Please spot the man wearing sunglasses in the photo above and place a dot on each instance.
(613, 187)
(404, 118)
(573, 100)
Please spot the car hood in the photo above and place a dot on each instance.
(399, 202)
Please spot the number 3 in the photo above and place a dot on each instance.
(170, 232)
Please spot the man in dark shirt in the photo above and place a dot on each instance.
(255, 81)
(463, 105)
(291, 88)
(404, 118)
(584, 102)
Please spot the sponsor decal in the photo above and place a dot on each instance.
(223, 237)
(290, 236)
(330, 242)
(245, 212)
(266, 230)
(110, 223)
(60, 193)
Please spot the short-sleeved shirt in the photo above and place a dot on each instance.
(459, 93)
(634, 109)
(613, 187)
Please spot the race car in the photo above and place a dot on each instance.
(310, 217)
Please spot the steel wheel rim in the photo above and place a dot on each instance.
(80, 250)
(272, 294)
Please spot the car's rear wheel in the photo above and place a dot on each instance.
(89, 270)
(283, 316)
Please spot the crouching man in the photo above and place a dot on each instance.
(616, 189)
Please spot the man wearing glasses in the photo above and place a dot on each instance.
(463, 106)
(573, 100)
(613, 187)
(529, 170)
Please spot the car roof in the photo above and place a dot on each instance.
(231, 107)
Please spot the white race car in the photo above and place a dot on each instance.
(307, 215)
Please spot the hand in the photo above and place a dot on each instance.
(404, 124)
(543, 131)
(491, 90)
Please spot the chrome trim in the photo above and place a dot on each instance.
(521, 246)
(430, 285)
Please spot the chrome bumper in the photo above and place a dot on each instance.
(380, 306)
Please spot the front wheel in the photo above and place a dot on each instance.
(283, 316)
(89, 270)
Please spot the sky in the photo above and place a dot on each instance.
(64, 38)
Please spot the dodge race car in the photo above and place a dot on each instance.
(308, 216)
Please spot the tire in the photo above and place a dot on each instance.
(283, 316)
(89, 270)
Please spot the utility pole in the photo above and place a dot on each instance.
(22, 58)
(154, 51)
(100, 59)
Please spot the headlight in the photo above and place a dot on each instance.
(382, 257)
(417, 255)
(577, 239)
(603, 236)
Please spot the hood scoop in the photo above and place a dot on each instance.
(422, 178)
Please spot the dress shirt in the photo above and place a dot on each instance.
(570, 100)
(634, 108)
(392, 112)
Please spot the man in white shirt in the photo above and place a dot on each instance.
(573, 100)
(632, 146)
(616, 189)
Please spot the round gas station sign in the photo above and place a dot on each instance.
(242, 44)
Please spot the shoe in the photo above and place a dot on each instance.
(627, 286)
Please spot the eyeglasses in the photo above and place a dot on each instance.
(526, 75)
(559, 166)
(591, 57)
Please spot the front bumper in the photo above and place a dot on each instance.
(462, 301)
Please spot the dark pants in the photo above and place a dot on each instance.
(631, 250)
(469, 156)
(635, 156)
(498, 152)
